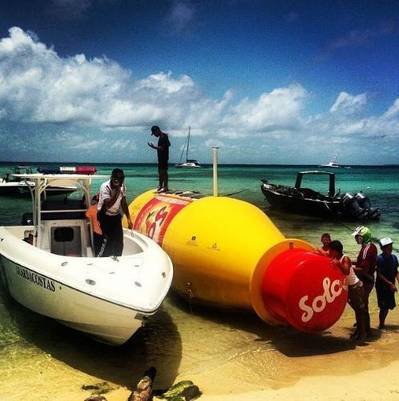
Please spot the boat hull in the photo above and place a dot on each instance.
(104, 320)
(311, 207)
(311, 203)
(187, 165)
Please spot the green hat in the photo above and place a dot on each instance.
(364, 232)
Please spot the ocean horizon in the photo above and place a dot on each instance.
(171, 164)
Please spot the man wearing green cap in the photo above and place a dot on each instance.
(365, 266)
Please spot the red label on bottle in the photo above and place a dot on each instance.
(156, 215)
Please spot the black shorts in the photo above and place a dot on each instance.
(162, 164)
(385, 296)
(356, 296)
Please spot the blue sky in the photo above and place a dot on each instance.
(267, 81)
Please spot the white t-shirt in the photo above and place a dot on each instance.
(351, 278)
(106, 192)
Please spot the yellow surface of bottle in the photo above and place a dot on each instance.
(221, 249)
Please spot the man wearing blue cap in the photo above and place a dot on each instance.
(387, 273)
(365, 266)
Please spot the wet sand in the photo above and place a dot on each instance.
(228, 355)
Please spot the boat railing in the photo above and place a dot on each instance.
(42, 181)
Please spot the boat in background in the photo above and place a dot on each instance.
(13, 185)
(331, 164)
(307, 201)
(50, 268)
(189, 163)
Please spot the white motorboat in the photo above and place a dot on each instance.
(57, 275)
(331, 164)
(12, 185)
(190, 163)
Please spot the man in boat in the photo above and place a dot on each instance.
(112, 203)
(365, 266)
(163, 156)
(387, 274)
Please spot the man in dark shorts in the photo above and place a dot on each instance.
(163, 156)
(365, 266)
(387, 273)
(111, 206)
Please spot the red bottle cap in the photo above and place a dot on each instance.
(304, 289)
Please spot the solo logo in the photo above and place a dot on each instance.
(319, 303)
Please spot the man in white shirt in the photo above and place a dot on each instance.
(111, 206)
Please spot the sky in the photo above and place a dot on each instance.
(268, 82)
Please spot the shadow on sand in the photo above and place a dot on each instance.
(157, 344)
(286, 340)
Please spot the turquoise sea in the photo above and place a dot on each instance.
(41, 359)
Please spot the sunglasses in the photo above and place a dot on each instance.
(118, 179)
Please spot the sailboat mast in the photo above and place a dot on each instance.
(188, 143)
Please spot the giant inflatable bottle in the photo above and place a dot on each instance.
(228, 253)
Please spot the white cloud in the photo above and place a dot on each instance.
(166, 83)
(393, 111)
(277, 110)
(348, 104)
(38, 86)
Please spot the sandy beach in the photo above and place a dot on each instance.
(230, 356)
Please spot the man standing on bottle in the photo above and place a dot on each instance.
(163, 156)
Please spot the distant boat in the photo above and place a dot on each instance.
(331, 164)
(189, 163)
(12, 185)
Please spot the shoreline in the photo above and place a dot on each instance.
(370, 385)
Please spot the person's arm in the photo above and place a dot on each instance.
(125, 209)
(109, 202)
(151, 145)
(396, 267)
(389, 284)
(364, 265)
(344, 266)
(162, 144)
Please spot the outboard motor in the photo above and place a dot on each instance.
(363, 200)
(351, 206)
(359, 206)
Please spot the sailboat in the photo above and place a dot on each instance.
(190, 163)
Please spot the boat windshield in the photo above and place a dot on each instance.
(42, 181)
